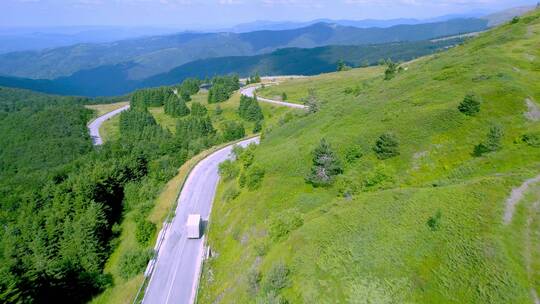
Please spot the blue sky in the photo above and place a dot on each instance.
(217, 13)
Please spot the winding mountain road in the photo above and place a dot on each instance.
(178, 263)
(250, 92)
(94, 126)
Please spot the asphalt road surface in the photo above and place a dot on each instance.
(94, 126)
(249, 92)
(177, 268)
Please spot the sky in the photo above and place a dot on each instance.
(200, 14)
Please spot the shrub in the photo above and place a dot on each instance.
(514, 20)
(228, 170)
(246, 155)
(532, 139)
(492, 142)
(386, 146)
(253, 279)
(283, 96)
(230, 194)
(254, 177)
(276, 278)
(326, 165)
(271, 297)
(133, 262)
(284, 223)
(261, 247)
(470, 105)
(434, 222)
(144, 231)
(347, 187)
(353, 153)
(233, 130)
(391, 69)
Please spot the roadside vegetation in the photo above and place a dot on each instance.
(415, 214)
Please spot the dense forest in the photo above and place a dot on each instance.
(61, 200)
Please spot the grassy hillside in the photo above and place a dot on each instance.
(149, 56)
(425, 226)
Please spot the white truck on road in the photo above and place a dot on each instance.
(193, 226)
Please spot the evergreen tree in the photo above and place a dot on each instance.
(312, 102)
(470, 105)
(197, 109)
(176, 107)
(391, 69)
(386, 146)
(326, 165)
(249, 109)
(492, 143)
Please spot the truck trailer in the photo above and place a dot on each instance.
(193, 226)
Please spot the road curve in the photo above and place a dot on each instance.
(94, 126)
(175, 276)
(250, 92)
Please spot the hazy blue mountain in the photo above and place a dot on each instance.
(159, 54)
(30, 38)
(109, 80)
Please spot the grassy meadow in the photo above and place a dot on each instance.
(367, 238)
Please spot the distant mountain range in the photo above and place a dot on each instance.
(34, 38)
(158, 54)
(112, 80)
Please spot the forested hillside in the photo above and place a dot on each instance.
(114, 80)
(145, 57)
(62, 200)
(394, 188)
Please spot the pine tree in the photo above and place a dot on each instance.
(176, 107)
(470, 105)
(326, 165)
(386, 146)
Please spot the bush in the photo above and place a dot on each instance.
(233, 130)
(271, 297)
(284, 223)
(144, 231)
(492, 143)
(434, 222)
(514, 20)
(532, 139)
(134, 262)
(391, 69)
(230, 194)
(283, 96)
(253, 279)
(254, 177)
(470, 105)
(353, 153)
(228, 170)
(326, 165)
(347, 187)
(276, 278)
(386, 146)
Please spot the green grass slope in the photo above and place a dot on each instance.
(375, 246)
